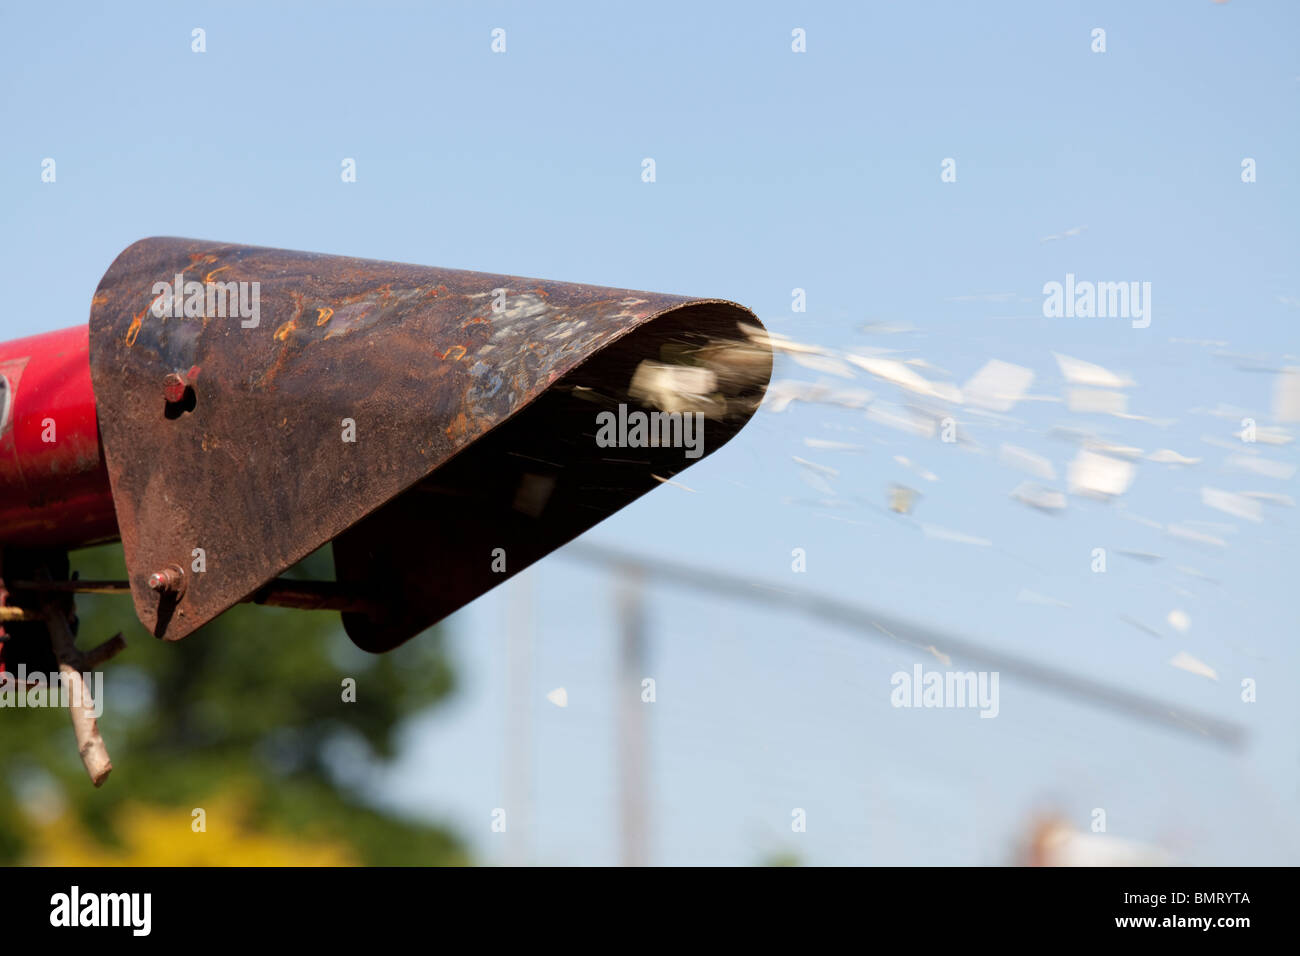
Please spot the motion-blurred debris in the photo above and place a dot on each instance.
(886, 328)
(939, 655)
(1138, 519)
(1186, 662)
(1271, 497)
(1099, 476)
(1166, 456)
(780, 343)
(1191, 534)
(902, 499)
(1286, 395)
(675, 484)
(898, 373)
(1027, 596)
(923, 473)
(1079, 372)
(929, 366)
(829, 445)
(781, 393)
(823, 363)
(1109, 448)
(1096, 401)
(1064, 234)
(676, 388)
(1025, 460)
(998, 385)
(1146, 557)
(1258, 465)
(1239, 506)
(947, 534)
(815, 475)
(1036, 496)
(1071, 434)
(820, 469)
(559, 697)
(903, 420)
(847, 397)
(1266, 435)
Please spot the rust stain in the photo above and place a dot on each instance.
(134, 330)
(358, 296)
(137, 320)
(458, 426)
(282, 333)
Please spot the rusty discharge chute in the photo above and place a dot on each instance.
(438, 426)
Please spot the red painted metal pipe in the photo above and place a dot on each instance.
(54, 489)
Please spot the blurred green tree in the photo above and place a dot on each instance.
(248, 712)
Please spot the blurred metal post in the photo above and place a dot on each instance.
(518, 769)
(882, 627)
(631, 716)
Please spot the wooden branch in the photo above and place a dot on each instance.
(104, 652)
(94, 754)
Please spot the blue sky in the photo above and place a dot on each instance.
(778, 170)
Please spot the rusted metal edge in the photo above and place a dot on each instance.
(312, 390)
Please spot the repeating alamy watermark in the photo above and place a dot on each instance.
(638, 429)
(1100, 300)
(180, 299)
(946, 689)
(18, 688)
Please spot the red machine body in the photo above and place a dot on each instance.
(54, 488)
